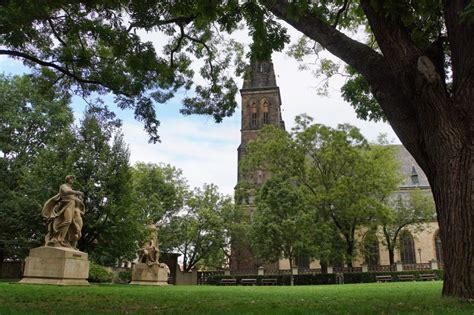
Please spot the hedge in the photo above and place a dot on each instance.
(366, 277)
(281, 279)
(125, 276)
(325, 278)
(99, 274)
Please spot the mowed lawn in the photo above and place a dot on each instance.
(374, 298)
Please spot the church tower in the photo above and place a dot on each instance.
(261, 105)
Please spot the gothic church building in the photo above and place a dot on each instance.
(261, 105)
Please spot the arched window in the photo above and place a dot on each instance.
(438, 248)
(407, 248)
(371, 249)
(265, 112)
(253, 115)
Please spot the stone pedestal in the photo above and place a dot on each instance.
(144, 274)
(56, 265)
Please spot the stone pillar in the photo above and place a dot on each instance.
(142, 274)
(434, 264)
(330, 269)
(227, 272)
(399, 266)
(56, 265)
(260, 271)
(365, 268)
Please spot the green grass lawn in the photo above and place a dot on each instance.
(374, 298)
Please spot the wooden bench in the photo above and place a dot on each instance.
(228, 282)
(383, 278)
(268, 281)
(428, 276)
(248, 281)
(406, 277)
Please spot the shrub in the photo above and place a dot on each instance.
(125, 276)
(281, 279)
(366, 277)
(99, 274)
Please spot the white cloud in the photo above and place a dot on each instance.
(206, 152)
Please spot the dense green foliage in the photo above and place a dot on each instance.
(412, 212)
(102, 47)
(159, 191)
(376, 298)
(34, 119)
(201, 233)
(125, 276)
(39, 147)
(368, 277)
(98, 46)
(99, 274)
(329, 184)
(282, 226)
(100, 162)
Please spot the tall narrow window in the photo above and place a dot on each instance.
(253, 115)
(438, 248)
(265, 113)
(407, 248)
(302, 261)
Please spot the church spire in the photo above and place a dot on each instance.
(259, 75)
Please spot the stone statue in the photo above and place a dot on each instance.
(63, 212)
(148, 254)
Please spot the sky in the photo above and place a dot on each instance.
(206, 151)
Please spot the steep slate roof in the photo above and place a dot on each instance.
(408, 165)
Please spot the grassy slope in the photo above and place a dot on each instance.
(389, 298)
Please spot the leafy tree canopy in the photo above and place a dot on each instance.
(202, 231)
(345, 180)
(159, 191)
(99, 46)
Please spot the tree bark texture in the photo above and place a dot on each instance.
(435, 123)
(391, 256)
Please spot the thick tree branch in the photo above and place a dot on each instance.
(47, 64)
(61, 69)
(392, 38)
(360, 56)
(386, 85)
(461, 44)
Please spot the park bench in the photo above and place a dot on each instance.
(428, 276)
(248, 281)
(228, 281)
(271, 281)
(406, 277)
(383, 278)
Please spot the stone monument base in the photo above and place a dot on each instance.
(144, 274)
(56, 265)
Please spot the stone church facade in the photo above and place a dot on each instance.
(261, 105)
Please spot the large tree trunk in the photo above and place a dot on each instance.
(391, 255)
(452, 185)
(349, 254)
(434, 120)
